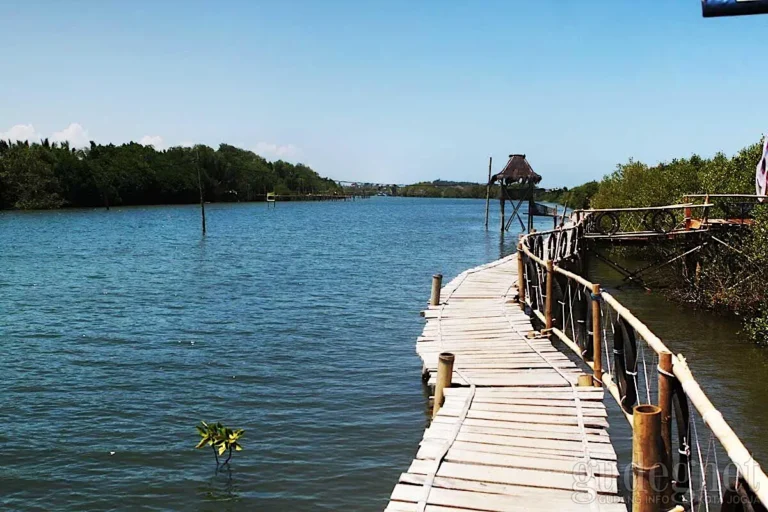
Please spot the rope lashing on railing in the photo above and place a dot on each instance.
(702, 471)
(645, 374)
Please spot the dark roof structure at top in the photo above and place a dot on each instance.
(517, 170)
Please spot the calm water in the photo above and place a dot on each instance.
(121, 330)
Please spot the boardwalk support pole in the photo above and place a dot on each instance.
(548, 299)
(520, 276)
(646, 458)
(444, 377)
(665, 404)
(501, 204)
(488, 191)
(437, 283)
(597, 349)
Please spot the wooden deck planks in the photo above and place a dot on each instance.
(513, 433)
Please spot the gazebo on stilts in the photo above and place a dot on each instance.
(517, 182)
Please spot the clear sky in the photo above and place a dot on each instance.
(391, 91)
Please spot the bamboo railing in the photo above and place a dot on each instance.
(644, 220)
(543, 256)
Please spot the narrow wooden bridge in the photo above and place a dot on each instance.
(520, 425)
(517, 433)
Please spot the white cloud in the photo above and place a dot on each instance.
(187, 144)
(76, 135)
(277, 150)
(152, 140)
(21, 132)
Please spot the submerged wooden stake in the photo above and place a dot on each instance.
(646, 457)
(597, 350)
(665, 404)
(437, 283)
(444, 377)
(200, 186)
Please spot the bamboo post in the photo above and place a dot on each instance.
(665, 404)
(437, 282)
(688, 216)
(548, 298)
(444, 377)
(488, 191)
(502, 199)
(705, 218)
(520, 276)
(646, 427)
(597, 349)
(584, 381)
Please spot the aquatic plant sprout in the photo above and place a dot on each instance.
(220, 438)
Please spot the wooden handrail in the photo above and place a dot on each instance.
(651, 339)
(713, 419)
(754, 196)
(646, 208)
(575, 277)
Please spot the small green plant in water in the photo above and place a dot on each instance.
(222, 439)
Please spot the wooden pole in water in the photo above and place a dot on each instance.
(665, 404)
(444, 377)
(501, 203)
(200, 187)
(520, 276)
(488, 192)
(597, 350)
(437, 283)
(646, 427)
(548, 299)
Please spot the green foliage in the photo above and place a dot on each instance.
(220, 438)
(447, 189)
(50, 175)
(576, 198)
(636, 184)
(726, 280)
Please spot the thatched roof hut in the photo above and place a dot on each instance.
(517, 170)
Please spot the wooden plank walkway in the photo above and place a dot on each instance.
(517, 434)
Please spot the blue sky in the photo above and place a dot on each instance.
(394, 91)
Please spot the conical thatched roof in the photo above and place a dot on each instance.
(517, 170)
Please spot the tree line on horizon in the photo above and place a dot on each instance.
(49, 175)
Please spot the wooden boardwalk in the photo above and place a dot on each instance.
(517, 433)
